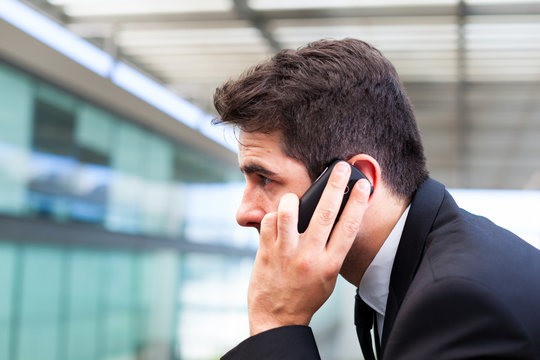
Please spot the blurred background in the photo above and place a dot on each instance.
(117, 196)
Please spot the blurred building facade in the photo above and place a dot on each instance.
(118, 239)
(106, 249)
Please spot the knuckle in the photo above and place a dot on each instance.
(285, 217)
(326, 217)
(263, 257)
(268, 219)
(304, 264)
(351, 226)
(335, 183)
(331, 272)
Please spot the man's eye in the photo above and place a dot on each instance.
(265, 180)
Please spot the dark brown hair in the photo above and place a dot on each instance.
(331, 99)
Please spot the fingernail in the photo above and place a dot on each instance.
(364, 185)
(341, 168)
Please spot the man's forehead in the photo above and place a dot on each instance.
(258, 139)
(262, 152)
(257, 146)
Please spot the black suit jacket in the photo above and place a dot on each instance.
(461, 288)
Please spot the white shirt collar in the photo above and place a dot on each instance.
(375, 283)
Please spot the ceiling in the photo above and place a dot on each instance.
(471, 68)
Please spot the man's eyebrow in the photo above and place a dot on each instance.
(256, 168)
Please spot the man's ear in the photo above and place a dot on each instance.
(369, 167)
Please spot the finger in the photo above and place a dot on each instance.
(287, 220)
(349, 223)
(327, 209)
(268, 233)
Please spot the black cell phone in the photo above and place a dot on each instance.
(309, 201)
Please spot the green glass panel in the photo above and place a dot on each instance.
(16, 99)
(128, 146)
(94, 129)
(16, 104)
(158, 158)
(157, 173)
(155, 295)
(7, 277)
(192, 166)
(53, 129)
(118, 321)
(38, 340)
(57, 98)
(41, 302)
(204, 274)
(83, 314)
(82, 340)
(126, 191)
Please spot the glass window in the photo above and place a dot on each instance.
(16, 104)
(156, 293)
(94, 131)
(7, 283)
(54, 122)
(16, 107)
(63, 159)
(213, 291)
(123, 203)
(84, 308)
(40, 304)
(117, 324)
(67, 160)
(157, 160)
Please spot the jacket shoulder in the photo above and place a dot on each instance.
(456, 317)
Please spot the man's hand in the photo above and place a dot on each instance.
(294, 274)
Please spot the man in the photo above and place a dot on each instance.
(444, 284)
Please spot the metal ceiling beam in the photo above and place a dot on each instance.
(268, 15)
(246, 12)
(509, 9)
(405, 11)
(359, 12)
(264, 16)
(156, 18)
(462, 114)
(45, 7)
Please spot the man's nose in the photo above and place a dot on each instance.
(250, 212)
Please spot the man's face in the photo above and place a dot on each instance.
(269, 173)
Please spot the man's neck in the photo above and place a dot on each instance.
(378, 223)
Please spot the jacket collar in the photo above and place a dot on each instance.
(424, 208)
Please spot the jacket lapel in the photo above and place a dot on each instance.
(424, 208)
